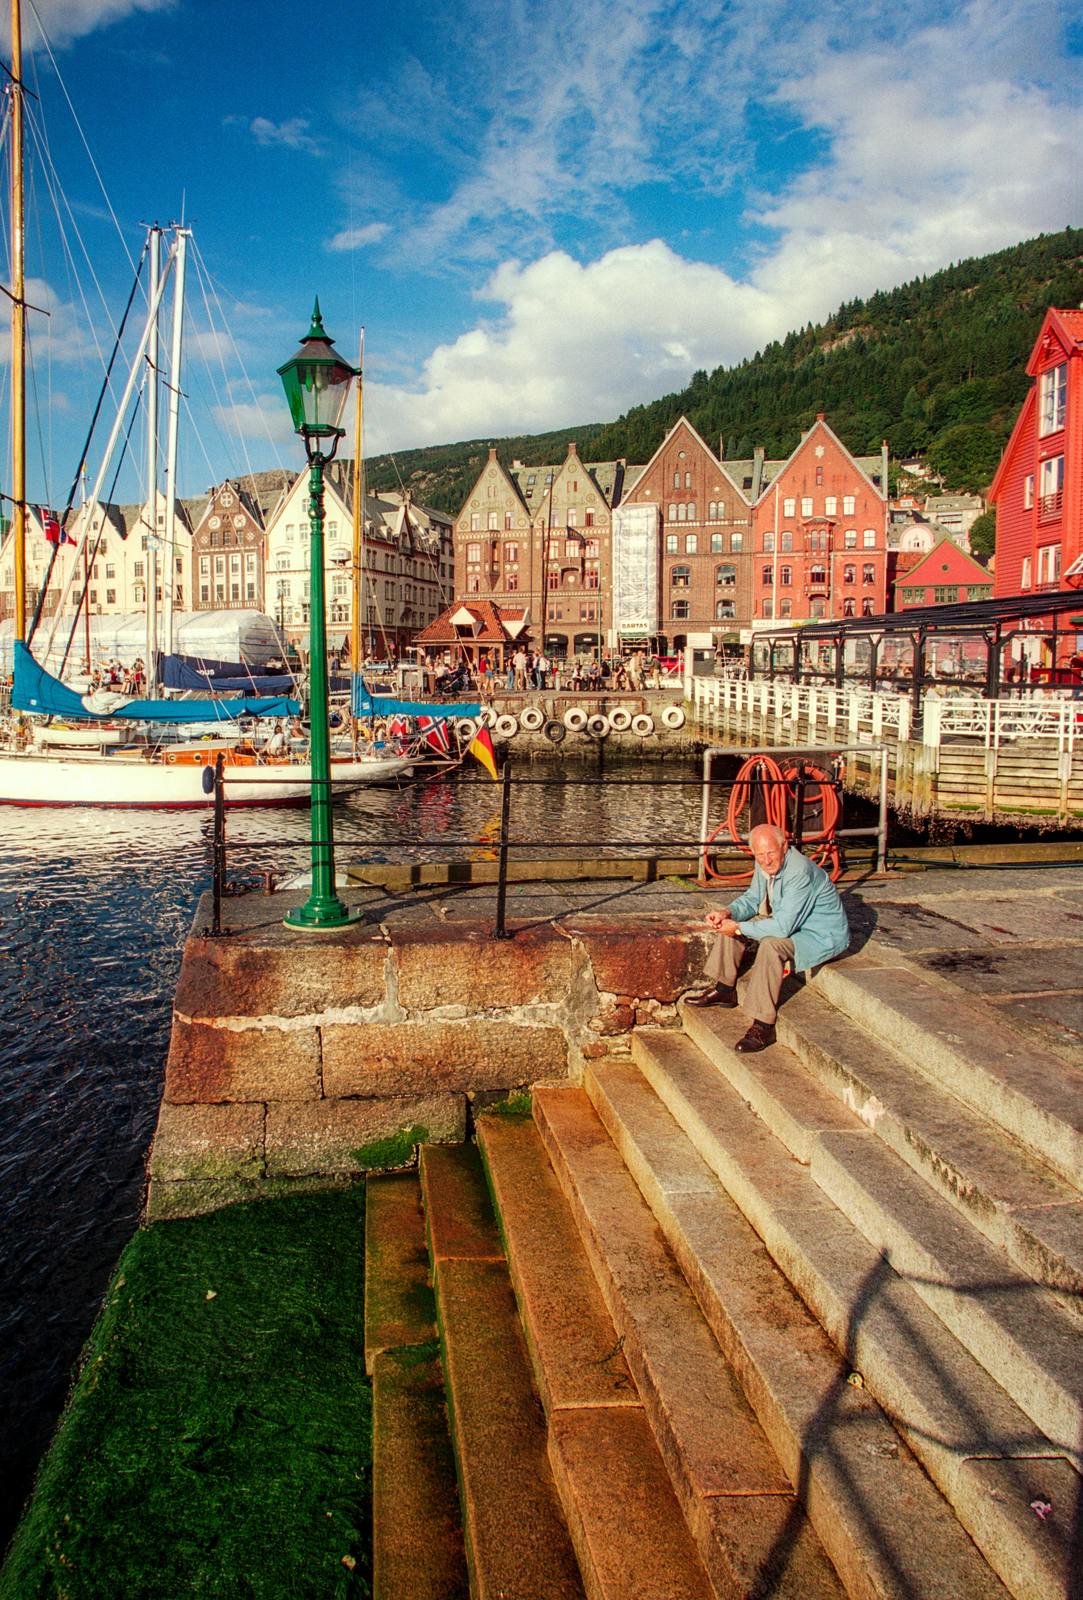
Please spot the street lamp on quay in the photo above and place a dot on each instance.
(317, 383)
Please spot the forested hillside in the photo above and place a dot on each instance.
(936, 367)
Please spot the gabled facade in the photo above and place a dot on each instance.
(819, 530)
(227, 552)
(945, 576)
(702, 522)
(1038, 486)
(572, 530)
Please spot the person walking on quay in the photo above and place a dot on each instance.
(792, 913)
(519, 665)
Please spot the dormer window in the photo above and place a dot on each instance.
(1052, 399)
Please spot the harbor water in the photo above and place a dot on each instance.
(94, 909)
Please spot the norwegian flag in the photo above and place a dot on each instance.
(397, 728)
(51, 523)
(436, 736)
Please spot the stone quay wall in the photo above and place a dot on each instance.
(305, 1059)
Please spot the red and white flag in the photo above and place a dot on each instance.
(51, 523)
(436, 735)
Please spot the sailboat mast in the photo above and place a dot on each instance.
(358, 532)
(169, 570)
(155, 242)
(18, 323)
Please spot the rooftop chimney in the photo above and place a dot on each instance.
(571, 448)
(492, 452)
(757, 472)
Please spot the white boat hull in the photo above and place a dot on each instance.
(135, 780)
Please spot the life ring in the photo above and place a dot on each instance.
(620, 719)
(673, 717)
(487, 717)
(575, 719)
(598, 726)
(642, 725)
(466, 729)
(555, 732)
(506, 727)
(531, 718)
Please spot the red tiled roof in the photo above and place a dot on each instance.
(485, 612)
(1073, 322)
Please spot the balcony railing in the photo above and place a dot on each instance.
(1049, 506)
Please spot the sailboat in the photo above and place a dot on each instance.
(110, 756)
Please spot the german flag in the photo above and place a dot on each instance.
(481, 748)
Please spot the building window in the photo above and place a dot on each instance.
(849, 505)
(110, 597)
(737, 543)
(716, 544)
(868, 538)
(849, 606)
(1052, 399)
(588, 519)
(789, 507)
(806, 505)
(785, 608)
(849, 538)
(475, 523)
(817, 574)
(724, 609)
(1028, 491)
(785, 576)
(819, 476)
(786, 541)
(511, 581)
(768, 544)
(473, 552)
(679, 610)
(1024, 581)
(867, 607)
(204, 592)
(767, 576)
(591, 578)
(680, 577)
(137, 569)
(1049, 563)
(473, 583)
(945, 594)
(831, 506)
(1050, 487)
(767, 608)
(494, 521)
(511, 552)
(691, 544)
(573, 516)
(725, 577)
(676, 480)
(688, 480)
(868, 572)
(849, 573)
(816, 610)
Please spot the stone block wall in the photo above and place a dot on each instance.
(302, 1059)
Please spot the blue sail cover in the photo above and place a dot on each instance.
(366, 704)
(36, 690)
(221, 677)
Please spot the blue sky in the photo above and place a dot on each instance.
(541, 214)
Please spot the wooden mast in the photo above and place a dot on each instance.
(358, 536)
(18, 323)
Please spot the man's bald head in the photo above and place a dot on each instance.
(768, 846)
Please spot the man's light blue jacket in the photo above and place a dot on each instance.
(805, 907)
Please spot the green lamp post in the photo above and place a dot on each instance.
(317, 384)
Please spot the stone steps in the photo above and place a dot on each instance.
(1011, 1325)
(417, 1531)
(626, 1525)
(747, 1523)
(983, 1452)
(517, 1541)
(865, 1491)
(1010, 1196)
(1009, 1077)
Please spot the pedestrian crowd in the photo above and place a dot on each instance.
(526, 669)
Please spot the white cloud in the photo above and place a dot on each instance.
(292, 134)
(357, 238)
(65, 20)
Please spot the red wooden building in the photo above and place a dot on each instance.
(1038, 487)
(943, 576)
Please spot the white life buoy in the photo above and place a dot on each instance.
(506, 727)
(465, 729)
(598, 726)
(673, 717)
(642, 725)
(487, 717)
(531, 718)
(620, 719)
(575, 719)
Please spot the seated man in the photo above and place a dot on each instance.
(792, 912)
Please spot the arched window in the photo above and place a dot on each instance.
(680, 577)
(816, 609)
(725, 576)
(785, 576)
(867, 607)
(868, 573)
(768, 575)
(849, 573)
(671, 512)
(724, 609)
(849, 608)
(817, 574)
(691, 544)
(688, 480)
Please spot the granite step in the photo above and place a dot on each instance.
(627, 1528)
(864, 1490)
(985, 1455)
(1008, 1076)
(417, 1545)
(517, 1541)
(749, 1527)
(1013, 1198)
(1013, 1326)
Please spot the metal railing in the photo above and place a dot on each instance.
(505, 845)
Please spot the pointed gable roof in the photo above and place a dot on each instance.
(509, 478)
(821, 426)
(697, 439)
(945, 563)
(1026, 413)
(1059, 328)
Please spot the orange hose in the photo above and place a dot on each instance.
(780, 788)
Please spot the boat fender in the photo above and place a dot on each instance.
(555, 732)
(532, 718)
(506, 727)
(673, 717)
(620, 719)
(598, 726)
(642, 725)
(575, 719)
(208, 779)
(487, 717)
(335, 720)
(465, 730)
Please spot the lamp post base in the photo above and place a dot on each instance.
(321, 914)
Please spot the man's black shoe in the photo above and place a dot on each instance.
(719, 994)
(758, 1037)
